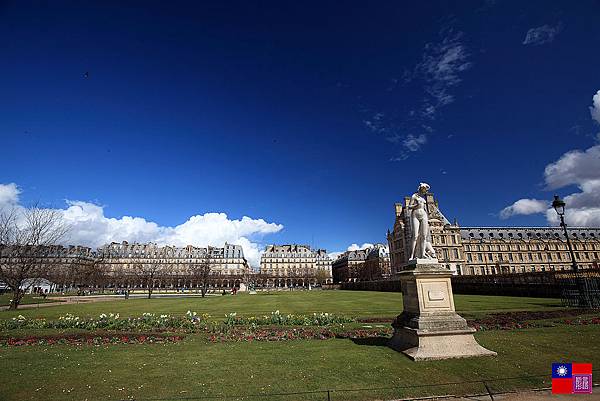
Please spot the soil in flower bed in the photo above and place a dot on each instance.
(512, 320)
(516, 320)
(376, 320)
(91, 339)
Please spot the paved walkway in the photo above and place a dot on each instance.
(532, 396)
(69, 300)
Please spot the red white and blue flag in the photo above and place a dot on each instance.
(571, 378)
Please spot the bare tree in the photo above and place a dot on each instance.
(321, 276)
(147, 272)
(199, 271)
(28, 247)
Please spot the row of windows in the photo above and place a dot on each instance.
(486, 270)
(551, 246)
(565, 256)
(288, 255)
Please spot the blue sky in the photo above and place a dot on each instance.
(312, 116)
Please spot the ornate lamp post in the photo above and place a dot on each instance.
(559, 205)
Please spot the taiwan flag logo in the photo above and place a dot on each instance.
(571, 378)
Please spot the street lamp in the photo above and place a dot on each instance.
(559, 205)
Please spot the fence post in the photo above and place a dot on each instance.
(328, 396)
(488, 390)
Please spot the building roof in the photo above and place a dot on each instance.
(527, 233)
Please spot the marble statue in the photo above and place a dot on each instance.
(429, 327)
(421, 247)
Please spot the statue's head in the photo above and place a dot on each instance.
(423, 188)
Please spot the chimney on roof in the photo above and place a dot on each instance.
(398, 209)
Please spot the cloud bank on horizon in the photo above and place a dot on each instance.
(580, 168)
(89, 226)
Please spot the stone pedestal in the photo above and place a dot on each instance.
(429, 328)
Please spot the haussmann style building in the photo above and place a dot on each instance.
(362, 265)
(227, 266)
(294, 265)
(493, 250)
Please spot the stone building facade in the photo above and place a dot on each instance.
(62, 268)
(362, 265)
(493, 250)
(226, 266)
(293, 265)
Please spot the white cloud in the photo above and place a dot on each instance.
(9, 194)
(441, 66)
(595, 109)
(356, 247)
(436, 75)
(524, 206)
(541, 35)
(580, 168)
(90, 227)
(414, 143)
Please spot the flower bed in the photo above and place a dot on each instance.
(105, 339)
(277, 318)
(148, 321)
(579, 322)
(190, 322)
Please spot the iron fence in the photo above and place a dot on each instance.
(580, 289)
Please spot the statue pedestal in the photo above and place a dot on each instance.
(429, 328)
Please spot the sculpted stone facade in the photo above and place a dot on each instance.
(294, 265)
(493, 250)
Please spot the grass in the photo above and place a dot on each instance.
(351, 303)
(195, 367)
(27, 299)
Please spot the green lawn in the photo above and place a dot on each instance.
(195, 367)
(352, 303)
(27, 299)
